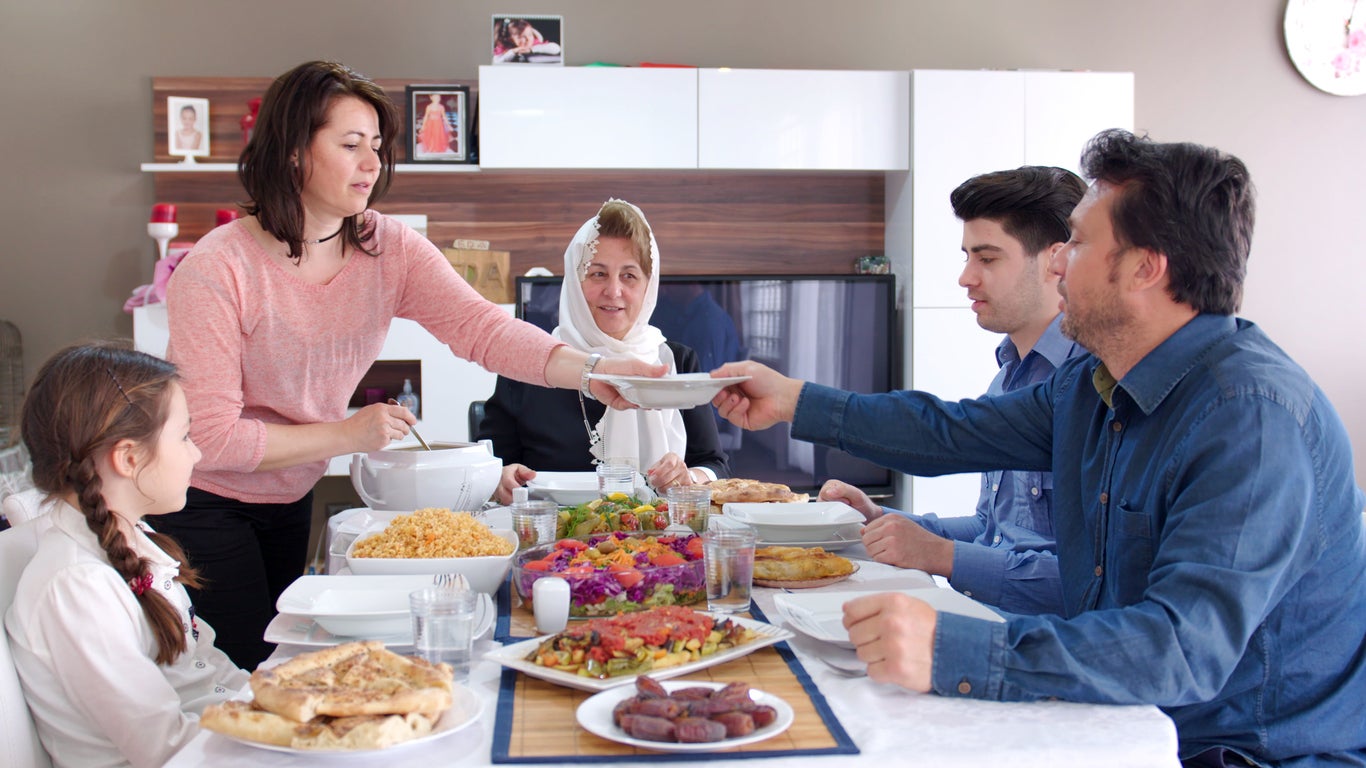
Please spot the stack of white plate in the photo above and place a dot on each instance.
(828, 524)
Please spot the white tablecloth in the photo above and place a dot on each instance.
(890, 725)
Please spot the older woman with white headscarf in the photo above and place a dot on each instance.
(611, 284)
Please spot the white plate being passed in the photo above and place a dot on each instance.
(353, 605)
(465, 709)
(821, 614)
(676, 390)
(288, 629)
(794, 522)
(564, 488)
(595, 715)
(514, 657)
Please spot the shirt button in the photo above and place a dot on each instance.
(1104, 498)
(965, 687)
(1034, 491)
(1099, 571)
(996, 540)
(996, 486)
(967, 593)
(1116, 426)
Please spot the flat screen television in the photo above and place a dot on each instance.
(839, 330)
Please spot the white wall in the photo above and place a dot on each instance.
(77, 117)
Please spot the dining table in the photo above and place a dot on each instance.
(878, 723)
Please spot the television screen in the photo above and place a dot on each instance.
(838, 330)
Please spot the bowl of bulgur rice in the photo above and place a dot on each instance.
(435, 540)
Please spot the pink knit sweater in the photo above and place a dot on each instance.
(255, 345)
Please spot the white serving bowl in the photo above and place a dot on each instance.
(457, 476)
(353, 606)
(485, 574)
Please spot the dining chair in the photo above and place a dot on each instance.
(476, 417)
(25, 505)
(18, 737)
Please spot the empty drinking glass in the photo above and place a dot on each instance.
(689, 505)
(616, 478)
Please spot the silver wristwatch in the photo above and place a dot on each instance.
(588, 366)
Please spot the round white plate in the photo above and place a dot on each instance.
(679, 390)
(847, 536)
(465, 709)
(595, 715)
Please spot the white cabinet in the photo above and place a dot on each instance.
(1063, 110)
(954, 359)
(448, 383)
(587, 117)
(964, 123)
(667, 118)
(803, 119)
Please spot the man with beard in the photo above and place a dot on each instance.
(1013, 223)
(1210, 534)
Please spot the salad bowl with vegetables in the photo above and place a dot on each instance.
(618, 572)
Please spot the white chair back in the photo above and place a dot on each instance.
(25, 505)
(18, 738)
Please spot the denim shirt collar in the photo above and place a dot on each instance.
(1158, 373)
(1052, 345)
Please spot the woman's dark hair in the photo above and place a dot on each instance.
(84, 400)
(274, 164)
(1031, 203)
(1193, 204)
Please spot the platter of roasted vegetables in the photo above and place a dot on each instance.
(603, 653)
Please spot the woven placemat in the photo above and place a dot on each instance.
(535, 720)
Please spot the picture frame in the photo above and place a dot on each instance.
(520, 38)
(438, 123)
(187, 127)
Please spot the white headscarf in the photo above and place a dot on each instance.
(643, 435)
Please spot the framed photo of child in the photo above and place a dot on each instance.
(522, 39)
(438, 123)
(187, 127)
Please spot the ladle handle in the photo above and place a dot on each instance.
(425, 447)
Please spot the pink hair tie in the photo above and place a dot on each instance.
(141, 584)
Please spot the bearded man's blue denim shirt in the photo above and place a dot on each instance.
(1210, 539)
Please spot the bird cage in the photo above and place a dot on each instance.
(11, 382)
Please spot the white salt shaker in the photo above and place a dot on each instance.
(550, 602)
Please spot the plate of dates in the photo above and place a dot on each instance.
(685, 715)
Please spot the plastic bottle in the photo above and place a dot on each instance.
(408, 399)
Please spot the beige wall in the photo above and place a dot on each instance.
(75, 117)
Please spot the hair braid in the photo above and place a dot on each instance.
(164, 618)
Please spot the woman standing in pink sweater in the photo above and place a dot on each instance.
(275, 318)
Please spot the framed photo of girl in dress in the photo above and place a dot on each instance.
(521, 39)
(438, 130)
(187, 127)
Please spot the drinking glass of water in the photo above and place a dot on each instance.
(728, 552)
(443, 626)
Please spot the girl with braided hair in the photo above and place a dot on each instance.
(114, 664)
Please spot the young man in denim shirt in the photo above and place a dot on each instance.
(1210, 535)
(1013, 223)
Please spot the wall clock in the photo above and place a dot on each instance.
(1326, 39)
